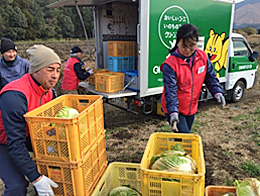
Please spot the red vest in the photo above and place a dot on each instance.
(189, 81)
(70, 80)
(34, 94)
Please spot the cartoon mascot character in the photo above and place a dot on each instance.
(217, 50)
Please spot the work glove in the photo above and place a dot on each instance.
(43, 186)
(174, 119)
(221, 99)
(90, 71)
(87, 68)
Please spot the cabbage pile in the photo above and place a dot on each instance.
(174, 160)
(124, 191)
(247, 187)
(67, 112)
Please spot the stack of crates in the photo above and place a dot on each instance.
(161, 183)
(121, 55)
(71, 151)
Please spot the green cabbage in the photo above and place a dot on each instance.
(247, 187)
(67, 112)
(124, 191)
(173, 160)
(175, 150)
(178, 163)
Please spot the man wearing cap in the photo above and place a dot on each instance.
(12, 66)
(74, 71)
(16, 98)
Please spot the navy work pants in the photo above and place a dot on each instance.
(14, 180)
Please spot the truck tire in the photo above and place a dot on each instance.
(238, 91)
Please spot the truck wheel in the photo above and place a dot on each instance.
(238, 92)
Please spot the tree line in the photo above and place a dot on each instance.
(31, 20)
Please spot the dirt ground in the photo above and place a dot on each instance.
(229, 137)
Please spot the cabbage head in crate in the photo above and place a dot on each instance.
(66, 112)
(174, 160)
(124, 191)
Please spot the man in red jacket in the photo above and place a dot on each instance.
(16, 98)
(74, 71)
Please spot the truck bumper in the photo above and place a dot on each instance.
(256, 78)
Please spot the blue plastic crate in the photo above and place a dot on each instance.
(121, 63)
(129, 75)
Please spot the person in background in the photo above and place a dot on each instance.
(12, 66)
(74, 71)
(16, 98)
(184, 72)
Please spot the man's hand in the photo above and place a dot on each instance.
(221, 99)
(87, 68)
(43, 186)
(174, 119)
(91, 71)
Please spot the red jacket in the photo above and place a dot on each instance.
(189, 81)
(34, 94)
(70, 80)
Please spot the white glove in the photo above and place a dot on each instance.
(43, 186)
(174, 120)
(221, 99)
(87, 68)
(91, 71)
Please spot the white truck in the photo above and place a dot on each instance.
(153, 24)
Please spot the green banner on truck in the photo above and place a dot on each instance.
(213, 18)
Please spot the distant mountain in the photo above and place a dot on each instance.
(247, 14)
(246, 2)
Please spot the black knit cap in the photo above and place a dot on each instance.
(7, 44)
(75, 49)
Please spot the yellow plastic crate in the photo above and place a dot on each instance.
(109, 82)
(160, 183)
(121, 48)
(91, 78)
(118, 174)
(77, 179)
(69, 139)
(219, 190)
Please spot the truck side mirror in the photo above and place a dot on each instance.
(253, 56)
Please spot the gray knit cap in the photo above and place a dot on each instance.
(40, 57)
